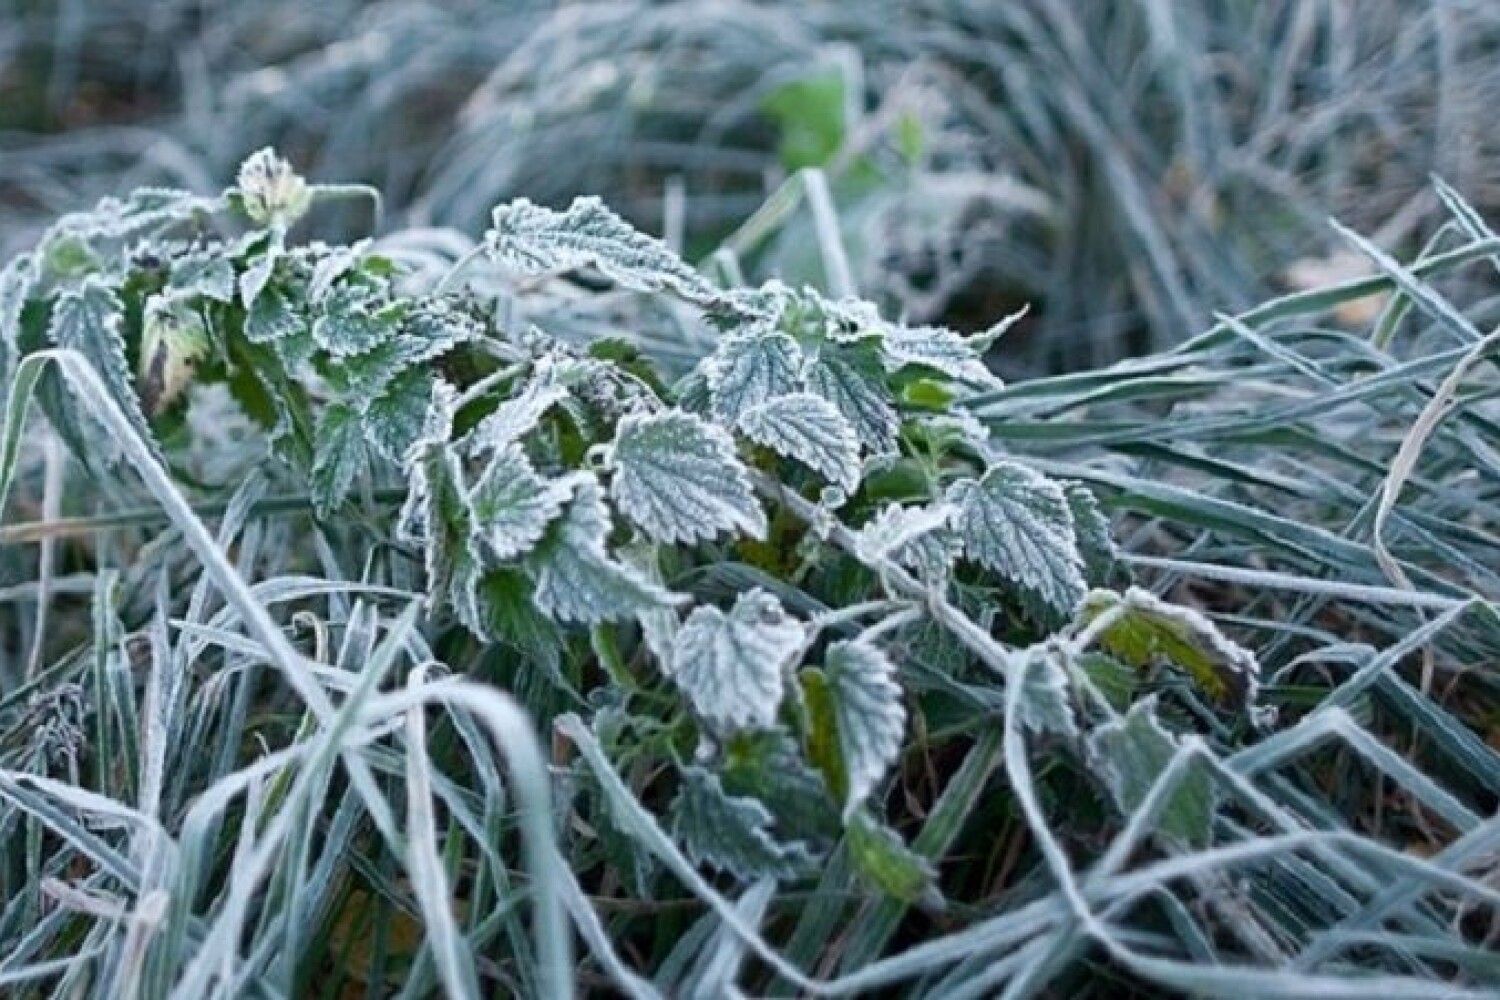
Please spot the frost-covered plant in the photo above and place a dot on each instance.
(745, 597)
(572, 507)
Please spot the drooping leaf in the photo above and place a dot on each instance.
(731, 665)
(338, 457)
(678, 479)
(936, 348)
(881, 857)
(513, 505)
(438, 504)
(731, 833)
(518, 414)
(174, 339)
(859, 396)
(808, 429)
(576, 580)
(1130, 752)
(1149, 630)
(1095, 542)
(868, 712)
(749, 369)
(535, 240)
(1015, 522)
(505, 613)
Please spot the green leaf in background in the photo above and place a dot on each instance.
(810, 115)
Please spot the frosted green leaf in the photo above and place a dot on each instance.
(88, 319)
(914, 537)
(731, 833)
(879, 855)
(869, 714)
(750, 369)
(1016, 523)
(517, 415)
(270, 190)
(204, 272)
(678, 479)
(15, 285)
(1044, 706)
(1150, 629)
(576, 580)
(807, 428)
(1130, 752)
(338, 457)
(731, 666)
(860, 397)
(513, 505)
(272, 317)
(1095, 543)
(937, 348)
(438, 517)
(333, 265)
(535, 240)
(351, 323)
(393, 419)
(428, 330)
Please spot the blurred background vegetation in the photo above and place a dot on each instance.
(1129, 168)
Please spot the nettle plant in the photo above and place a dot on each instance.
(763, 581)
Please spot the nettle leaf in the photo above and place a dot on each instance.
(1130, 752)
(273, 315)
(517, 415)
(914, 537)
(807, 428)
(867, 713)
(447, 534)
(535, 240)
(767, 764)
(1044, 705)
(427, 330)
(393, 420)
(338, 457)
(504, 613)
(1095, 542)
(1015, 522)
(576, 580)
(936, 348)
(881, 857)
(749, 369)
(860, 397)
(731, 666)
(351, 323)
(88, 319)
(731, 833)
(208, 273)
(678, 479)
(1149, 630)
(513, 505)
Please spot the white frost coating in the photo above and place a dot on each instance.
(731, 665)
(678, 479)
